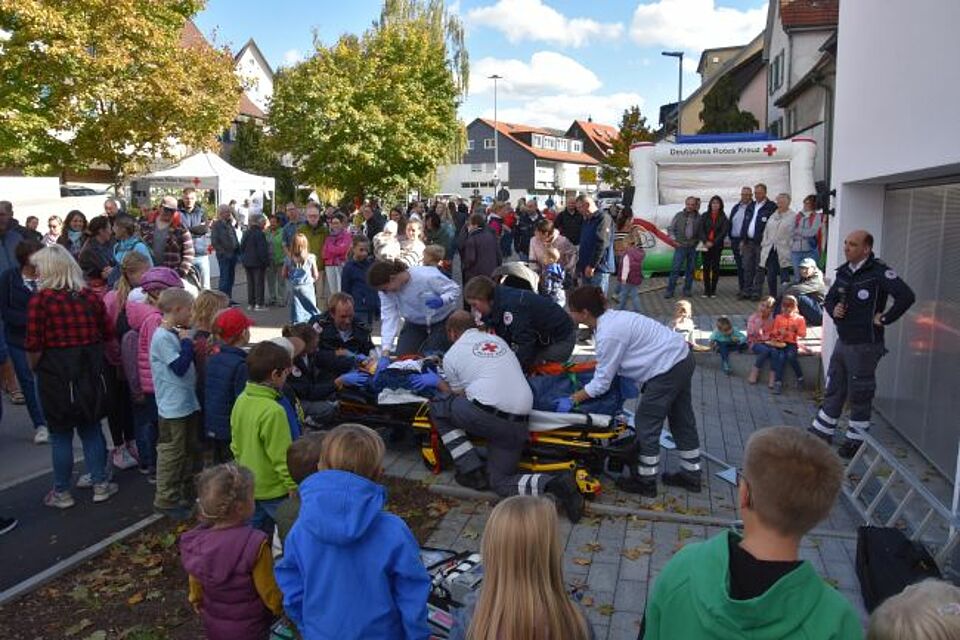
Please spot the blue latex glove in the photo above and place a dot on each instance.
(435, 302)
(424, 381)
(563, 405)
(355, 378)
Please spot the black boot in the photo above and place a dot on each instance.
(689, 480)
(476, 479)
(563, 489)
(645, 486)
(849, 448)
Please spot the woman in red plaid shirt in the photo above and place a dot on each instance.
(67, 327)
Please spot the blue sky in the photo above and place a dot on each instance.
(561, 59)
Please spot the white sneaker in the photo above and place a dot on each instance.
(59, 500)
(41, 435)
(85, 481)
(103, 491)
(122, 459)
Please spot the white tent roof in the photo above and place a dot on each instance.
(207, 170)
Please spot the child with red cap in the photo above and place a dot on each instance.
(226, 376)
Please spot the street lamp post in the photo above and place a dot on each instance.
(679, 56)
(496, 139)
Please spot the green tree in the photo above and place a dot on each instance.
(721, 113)
(615, 169)
(107, 83)
(252, 152)
(372, 113)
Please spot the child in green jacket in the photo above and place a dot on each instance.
(260, 431)
(755, 585)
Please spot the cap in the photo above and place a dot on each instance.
(390, 226)
(160, 278)
(808, 263)
(294, 346)
(231, 322)
(168, 202)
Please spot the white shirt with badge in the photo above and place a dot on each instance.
(635, 347)
(483, 366)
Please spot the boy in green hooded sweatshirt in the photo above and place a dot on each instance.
(755, 586)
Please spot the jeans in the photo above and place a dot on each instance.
(711, 269)
(781, 357)
(737, 258)
(145, 427)
(265, 513)
(629, 294)
(303, 303)
(202, 263)
(228, 271)
(809, 308)
(276, 285)
(94, 455)
(763, 352)
(797, 256)
(750, 259)
(726, 348)
(256, 277)
(28, 384)
(684, 258)
(333, 273)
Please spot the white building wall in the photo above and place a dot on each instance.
(895, 124)
(261, 86)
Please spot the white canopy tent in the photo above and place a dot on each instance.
(206, 170)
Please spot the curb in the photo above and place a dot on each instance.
(597, 508)
(65, 565)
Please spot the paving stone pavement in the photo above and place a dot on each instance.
(617, 558)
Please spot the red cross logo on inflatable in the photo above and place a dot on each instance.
(769, 149)
(196, 182)
(490, 347)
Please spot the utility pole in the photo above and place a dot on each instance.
(679, 56)
(496, 139)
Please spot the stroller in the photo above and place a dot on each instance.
(585, 444)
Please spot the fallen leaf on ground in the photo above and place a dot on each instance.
(634, 553)
(583, 562)
(606, 609)
(77, 628)
(591, 547)
(587, 601)
(470, 534)
(136, 598)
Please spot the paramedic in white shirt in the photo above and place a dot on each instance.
(421, 297)
(484, 393)
(661, 363)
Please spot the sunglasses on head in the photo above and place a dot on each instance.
(169, 209)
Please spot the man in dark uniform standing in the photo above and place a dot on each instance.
(857, 302)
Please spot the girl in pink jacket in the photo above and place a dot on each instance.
(336, 248)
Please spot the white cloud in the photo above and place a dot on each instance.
(292, 57)
(695, 24)
(521, 20)
(559, 111)
(546, 72)
(690, 64)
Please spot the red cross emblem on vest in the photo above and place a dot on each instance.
(769, 149)
(490, 347)
(196, 182)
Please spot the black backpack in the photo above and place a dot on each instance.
(888, 562)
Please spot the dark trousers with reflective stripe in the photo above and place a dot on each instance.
(456, 419)
(668, 397)
(851, 377)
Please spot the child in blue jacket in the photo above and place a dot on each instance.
(350, 570)
(353, 280)
(226, 377)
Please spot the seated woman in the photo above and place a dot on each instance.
(538, 329)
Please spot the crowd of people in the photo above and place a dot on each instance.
(103, 322)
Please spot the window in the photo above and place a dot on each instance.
(476, 168)
(489, 143)
(775, 73)
(576, 146)
(537, 140)
(790, 121)
(549, 143)
(470, 145)
(563, 144)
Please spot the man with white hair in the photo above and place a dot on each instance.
(596, 261)
(169, 241)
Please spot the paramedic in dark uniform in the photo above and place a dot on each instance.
(660, 362)
(485, 394)
(536, 327)
(857, 302)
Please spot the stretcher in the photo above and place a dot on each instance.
(585, 444)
